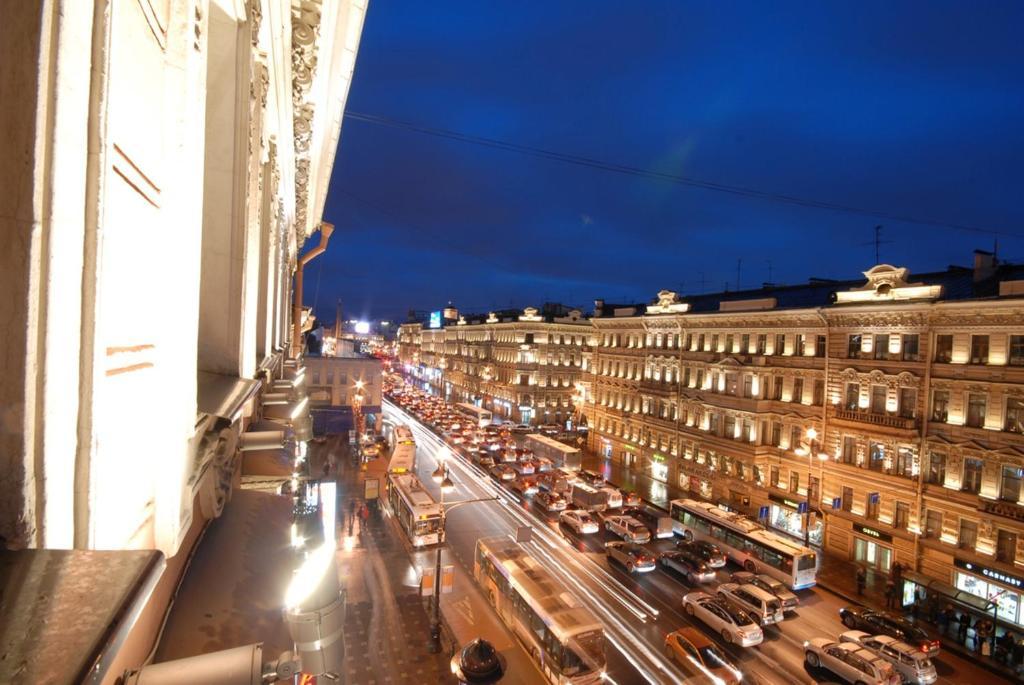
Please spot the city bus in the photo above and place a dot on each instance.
(746, 542)
(481, 417)
(562, 636)
(417, 512)
(561, 455)
(403, 454)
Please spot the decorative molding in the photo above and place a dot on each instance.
(255, 20)
(306, 15)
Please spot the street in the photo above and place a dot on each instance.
(639, 611)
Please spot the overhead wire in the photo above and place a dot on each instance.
(626, 169)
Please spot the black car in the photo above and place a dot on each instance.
(893, 625)
(708, 552)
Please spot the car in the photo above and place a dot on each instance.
(849, 661)
(524, 468)
(521, 428)
(764, 606)
(631, 499)
(769, 584)
(708, 551)
(580, 521)
(910, 663)
(635, 558)
(627, 528)
(525, 485)
(591, 478)
(694, 570)
(551, 501)
(857, 617)
(550, 429)
(657, 520)
(483, 458)
(503, 472)
(697, 656)
(734, 624)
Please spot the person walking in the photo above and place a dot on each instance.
(963, 624)
(862, 579)
(890, 594)
(1018, 656)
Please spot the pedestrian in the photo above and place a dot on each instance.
(364, 513)
(1018, 655)
(862, 579)
(963, 623)
(1004, 647)
(890, 594)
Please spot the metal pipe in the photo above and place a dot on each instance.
(326, 229)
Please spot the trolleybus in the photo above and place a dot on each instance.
(403, 455)
(561, 455)
(480, 417)
(563, 637)
(419, 515)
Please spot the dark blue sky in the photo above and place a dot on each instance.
(913, 109)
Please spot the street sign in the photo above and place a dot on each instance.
(427, 581)
(762, 513)
(447, 579)
(874, 497)
(371, 488)
(837, 502)
(802, 508)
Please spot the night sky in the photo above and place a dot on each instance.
(911, 109)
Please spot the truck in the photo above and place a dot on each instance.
(590, 498)
(561, 455)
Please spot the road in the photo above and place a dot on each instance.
(637, 611)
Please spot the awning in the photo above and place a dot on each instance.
(949, 592)
(224, 396)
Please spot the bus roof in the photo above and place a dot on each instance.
(552, 443)
(745, 525)
(472, 408)
(411, 490)
(403, 458)
(556, 606)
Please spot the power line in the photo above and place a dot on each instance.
(589, 162)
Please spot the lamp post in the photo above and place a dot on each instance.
(812, 450)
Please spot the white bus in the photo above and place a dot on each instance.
(746, 542)
(561, 455)
(481, 417)
(563, 637)
(403, 455)
(417, 512)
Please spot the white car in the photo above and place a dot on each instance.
(734, 624)
(635, 558)
(771, 585)
(912, 664)
(765, 607)
(627, 528)
(849, 661)
(580, 521)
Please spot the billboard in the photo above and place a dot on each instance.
(435, 320)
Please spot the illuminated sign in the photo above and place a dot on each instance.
(362, 327)
(784, 501)
(990, 573)
(435, 320)
(872, 533)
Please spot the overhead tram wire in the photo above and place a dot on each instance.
(590, 162)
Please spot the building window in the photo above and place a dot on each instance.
(714, 343)
(748, 386)
(871, 506)
(776, 433)
(795, 433)
(853, 346)
(936, 468)
(940, 405)
(911, 349)
(713, 423)
(901, 517)
(876, 456)
(852, 395)
(1014, 415)
(819, 346)
(846, 501)
(972, 475)
(794, 481)
(773, 475)
(933, 524)
(799, 346)
(1016, 350)
(700, 341)
(968, 538)
(745, 344)
(798, 390)
(943, 348)
(904, 461)
(819, 391)
(1009, 490)
(730, 427)
(976, 410)
(979, 349)
(881, 350)
(1006, 546)
(848, 455)
(908, 403)
(780, 343)
(877, 399)
(762, 343)
(813, 490)
(776, 388)
(729, 341)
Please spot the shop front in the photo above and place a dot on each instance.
(699, 487)
(628, 456)
(1001, 588)
(659, 467)
(872, 548)
(606, 448)
(784, 514)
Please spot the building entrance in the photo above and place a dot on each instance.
(869, 552)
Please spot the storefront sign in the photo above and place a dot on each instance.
(629, 447)
(990, 573)
(872, 533)
(778, 499)
(657, 457)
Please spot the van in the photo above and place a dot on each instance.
(586, 497)
(765, 607)
(614, 497)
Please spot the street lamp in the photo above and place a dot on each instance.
(812, 450)
(441, 477)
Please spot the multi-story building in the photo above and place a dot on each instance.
(912, 390)
(340, 383)
(524, 366)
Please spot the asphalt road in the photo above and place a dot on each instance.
(639, 610)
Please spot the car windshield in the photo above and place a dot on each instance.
(583, 653)
(774, 605)
(584, 518)
(807, 561)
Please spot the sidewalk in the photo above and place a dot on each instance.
(835, 574)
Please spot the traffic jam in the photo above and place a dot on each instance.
(734, 606)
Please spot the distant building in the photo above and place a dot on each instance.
(334, 383)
